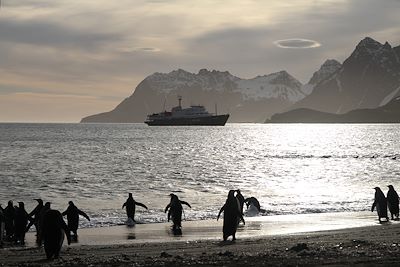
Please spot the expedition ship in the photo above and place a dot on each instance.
(194, 115)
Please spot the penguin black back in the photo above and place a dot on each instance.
(393, 202)
(53, 229)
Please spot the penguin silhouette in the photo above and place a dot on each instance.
(2, 226)
(20, 221)
(9, 216)
(53, 229)
(381, 204)
(130, 205)
(34, 215)
(253, 201)
(73, 213)
(42, 212)
(393, 202)
(175, 210)
(232, 215)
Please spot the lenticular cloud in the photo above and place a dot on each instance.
(297, 43)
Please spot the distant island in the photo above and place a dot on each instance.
(389, 113)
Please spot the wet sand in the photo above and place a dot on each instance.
(333, 238)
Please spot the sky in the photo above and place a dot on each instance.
(63, 60)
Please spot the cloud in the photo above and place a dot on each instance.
(42, 33)
(297, 43)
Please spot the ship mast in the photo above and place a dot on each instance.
(180, 100)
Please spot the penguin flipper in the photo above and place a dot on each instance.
(184, 202)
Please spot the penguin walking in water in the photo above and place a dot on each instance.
(253, 206)
(9, 216)
(175, 210)
(20, 221)
(53, 229)
(130, 205)
(381, 204)
(253, 201)
(73, 213)
(393, 202)
(232, 215)
(34, 215)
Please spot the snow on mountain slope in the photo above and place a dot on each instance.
(279, 85)
(276, 85)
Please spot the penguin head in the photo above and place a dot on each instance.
(71, 203)
(231, 193)
(39, 200)
(21, 205)
(390, 187)
(377, 189)
(10, 203)
(130, 195)
(173, 196)
(47, 205)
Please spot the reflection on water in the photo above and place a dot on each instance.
(290, 168)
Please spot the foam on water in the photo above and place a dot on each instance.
(291, 169)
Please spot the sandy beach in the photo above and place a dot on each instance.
(316, 239)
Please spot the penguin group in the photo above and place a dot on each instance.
(49, 223)
(382, 203)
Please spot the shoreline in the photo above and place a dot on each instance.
(283, 240)
(258, 226)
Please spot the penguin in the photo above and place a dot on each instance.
(240, 198)
(9, 215)
(20, 222)
(253, 201)
(175, 209)
(73, 213)
(131, 207)
(2, 220)
(393, 202)
(232, 215)
(34, 215)
(381, 204)
(42, 212)
(53, 229)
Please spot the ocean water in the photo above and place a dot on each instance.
(290, 168)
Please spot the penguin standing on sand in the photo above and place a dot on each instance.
(53, 229)
(34, 215)
(73, 213)
(393, 202)
(175, 209)
(381, 204)
(232, 215)
(130, 205)
(20, 221)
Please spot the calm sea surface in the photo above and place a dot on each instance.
(290, 168)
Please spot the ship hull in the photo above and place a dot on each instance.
(217, 120)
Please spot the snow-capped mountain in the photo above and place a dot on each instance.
(246, 100)
(369, 78)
